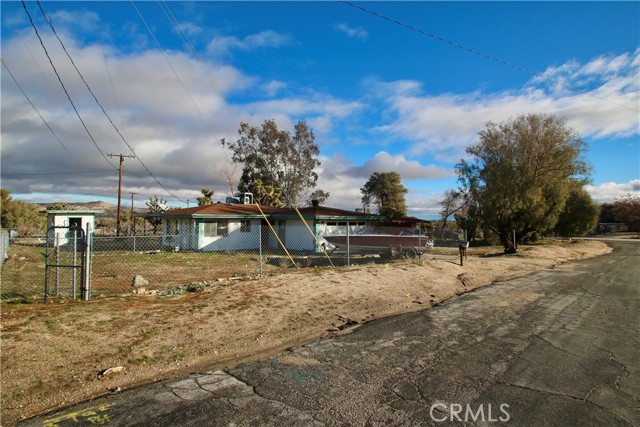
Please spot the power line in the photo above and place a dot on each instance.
(37, 111)
(185, 39)
(479, 53)
(166, 57)
(100, 105)
(62, 84)
(57, 173)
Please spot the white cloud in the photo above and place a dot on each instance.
(343, 179)
(443, 125)
(223, 45)
(273, 87)
(608, 191)
(152, 109)
(357, 32)
(408, 169)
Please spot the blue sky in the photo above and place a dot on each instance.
(176, 77)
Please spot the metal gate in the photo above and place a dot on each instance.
(65, 263)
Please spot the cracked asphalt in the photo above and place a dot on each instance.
(556, 348)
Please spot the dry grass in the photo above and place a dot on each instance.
(52, 354)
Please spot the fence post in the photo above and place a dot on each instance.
(88, 252)
(260, 245)
(75, 262)
(348, 246)
(57, 243)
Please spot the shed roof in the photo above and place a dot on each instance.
(74, 212)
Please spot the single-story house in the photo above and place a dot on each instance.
(236, 226)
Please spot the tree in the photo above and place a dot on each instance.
(21, 216)
(468, 218)
(320, 196)
(282, 162)
(627, 210)
(521, 173)
(267, 194)
(58, 207)
(580, 214)
(206, 197)
(386, 192)
(156, 206)
(607, 214)
(452, 202)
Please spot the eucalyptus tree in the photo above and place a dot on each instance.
(278, 166)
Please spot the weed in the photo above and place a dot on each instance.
(51, 325)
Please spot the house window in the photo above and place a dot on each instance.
(223, 228)
(213, 228)
(245, 226)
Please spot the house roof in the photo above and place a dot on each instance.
(324, 212)
(227, 210)
(218, 210)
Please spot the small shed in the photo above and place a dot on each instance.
(84, 219)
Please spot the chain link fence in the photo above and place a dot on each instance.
(182, 262)
(23, 270)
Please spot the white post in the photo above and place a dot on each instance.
(87, 263)
(348, 246)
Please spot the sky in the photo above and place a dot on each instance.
(385, 86)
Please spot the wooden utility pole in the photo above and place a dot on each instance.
(122, 157)
(133, 219)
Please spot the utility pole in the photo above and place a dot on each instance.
(133, 219)
(122, 157)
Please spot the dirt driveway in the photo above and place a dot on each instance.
(56, 354)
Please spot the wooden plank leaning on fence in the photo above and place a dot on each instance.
(315, 237)
(276, 234)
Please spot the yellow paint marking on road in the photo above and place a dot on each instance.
(95, 415)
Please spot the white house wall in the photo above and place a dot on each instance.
(298, 236)
(183, 238)
(235, 240)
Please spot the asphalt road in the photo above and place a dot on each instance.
(557, 348)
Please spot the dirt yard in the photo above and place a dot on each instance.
(56, 354)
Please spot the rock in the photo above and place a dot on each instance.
(138, 284)
(139, 281)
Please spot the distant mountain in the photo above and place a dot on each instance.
(108, 209)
